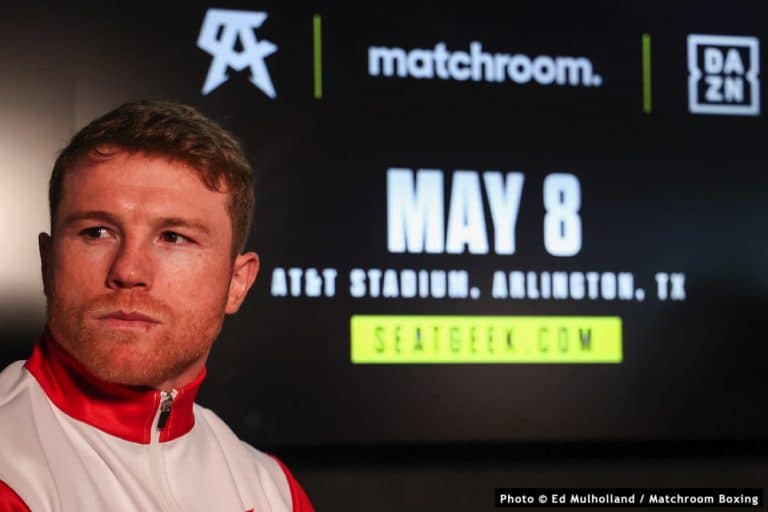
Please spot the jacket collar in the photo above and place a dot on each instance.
(127, 412)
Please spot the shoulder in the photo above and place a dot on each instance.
(15, 401)
(12, 380)
(299, 498)
(24, 471)
(10, 501)
(272, 475)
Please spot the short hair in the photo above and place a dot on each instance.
(173, 131)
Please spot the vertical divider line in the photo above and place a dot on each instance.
(318, 56)
(647, 73)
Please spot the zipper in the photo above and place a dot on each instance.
(166, 402)
(157, 467)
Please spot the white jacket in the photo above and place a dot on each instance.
(70, 442)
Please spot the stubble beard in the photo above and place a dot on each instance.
(132, 357)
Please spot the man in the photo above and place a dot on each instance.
(150, 209)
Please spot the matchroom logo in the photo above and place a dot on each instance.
(478, 65)
(723, 75)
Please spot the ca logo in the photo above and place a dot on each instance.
(219, 35)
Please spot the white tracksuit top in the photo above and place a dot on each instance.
(70, 442)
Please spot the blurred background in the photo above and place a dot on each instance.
(628, 143)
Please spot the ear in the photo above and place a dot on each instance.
(244, 273)
(44, 245)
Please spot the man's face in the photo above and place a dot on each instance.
(139, 271)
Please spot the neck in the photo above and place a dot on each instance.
(189, 374)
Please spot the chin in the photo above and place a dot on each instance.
(134, 357)
(121, 357)
(119, 369)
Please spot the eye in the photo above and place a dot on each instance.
(95, 232)
(173, 237)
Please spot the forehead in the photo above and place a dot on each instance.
(140, 186)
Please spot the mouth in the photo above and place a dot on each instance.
(131, 320)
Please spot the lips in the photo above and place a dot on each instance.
(133, 316)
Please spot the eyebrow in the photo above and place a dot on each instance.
(167, 222)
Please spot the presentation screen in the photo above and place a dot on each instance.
(526, 222)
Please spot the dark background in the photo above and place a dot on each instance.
(669, 191)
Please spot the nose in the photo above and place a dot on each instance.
(131, 266)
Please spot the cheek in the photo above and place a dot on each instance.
(77, 271)
(192, 283)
